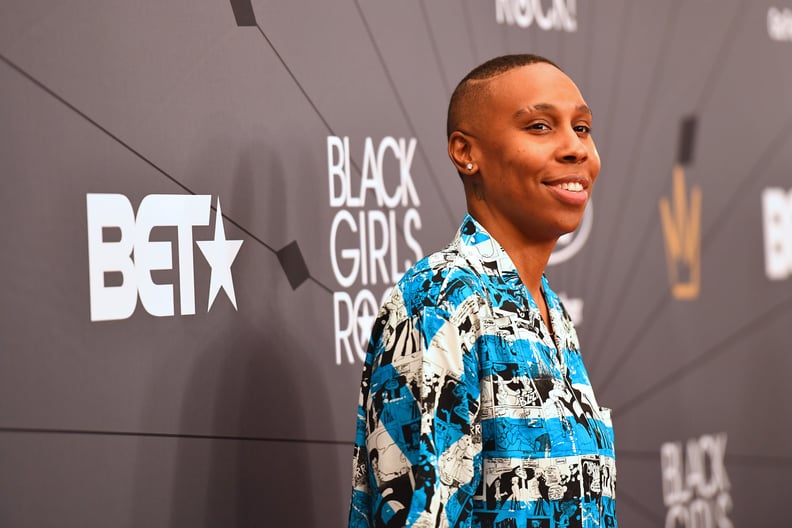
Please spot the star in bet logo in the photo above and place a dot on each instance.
(220, 254)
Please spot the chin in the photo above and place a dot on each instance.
(569, 226)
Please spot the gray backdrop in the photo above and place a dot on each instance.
(192, 385)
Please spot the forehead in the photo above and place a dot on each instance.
(529, 86)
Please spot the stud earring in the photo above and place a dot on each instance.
(469, 166)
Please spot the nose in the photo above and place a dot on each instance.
(571, 148)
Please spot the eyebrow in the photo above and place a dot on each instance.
(544, 107)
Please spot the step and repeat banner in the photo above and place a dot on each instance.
(203, 203)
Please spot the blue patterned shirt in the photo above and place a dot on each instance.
(472, 413)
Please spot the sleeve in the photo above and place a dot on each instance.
(418, 444)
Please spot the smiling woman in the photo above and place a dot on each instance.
(527, 132)
(474, 371)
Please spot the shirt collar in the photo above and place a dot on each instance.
(487, 256)
(484, 253)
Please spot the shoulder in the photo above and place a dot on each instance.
(441, 281)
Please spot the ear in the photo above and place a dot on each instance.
(460, 151)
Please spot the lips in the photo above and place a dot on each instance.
(571, 190)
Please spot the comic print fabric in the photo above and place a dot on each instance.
(472, 413)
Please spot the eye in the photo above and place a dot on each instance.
(538, 126)
(582, 129)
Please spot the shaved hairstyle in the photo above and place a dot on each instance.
(470, 90)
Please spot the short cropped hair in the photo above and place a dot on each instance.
(469, 92)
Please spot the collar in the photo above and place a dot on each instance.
(483, 252)
(487, 256)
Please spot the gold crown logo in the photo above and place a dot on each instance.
(682, 232)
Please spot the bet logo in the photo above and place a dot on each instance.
(120, 247)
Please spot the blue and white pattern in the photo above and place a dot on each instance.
(472, 413)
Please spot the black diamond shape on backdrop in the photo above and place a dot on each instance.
(687, 137)
(293, 264)
(243, 13)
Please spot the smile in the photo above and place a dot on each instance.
(571, 186)
(570, 190)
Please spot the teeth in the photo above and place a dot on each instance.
(572, 186)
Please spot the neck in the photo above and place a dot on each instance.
(530, 261)
(529, 256)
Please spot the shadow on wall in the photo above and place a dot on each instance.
(242, 462)
(261, 387)
(246, 482)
